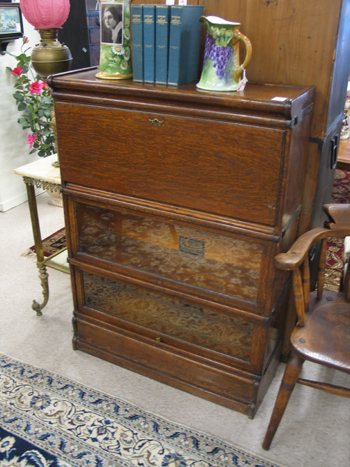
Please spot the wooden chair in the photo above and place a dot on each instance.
(322, 333)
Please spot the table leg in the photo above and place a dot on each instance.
(43, 275)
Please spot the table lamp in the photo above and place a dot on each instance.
(50, 56)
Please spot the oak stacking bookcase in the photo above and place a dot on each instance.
(176, 203)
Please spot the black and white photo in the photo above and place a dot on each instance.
(112, 23)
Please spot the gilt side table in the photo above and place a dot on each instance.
(42, 174)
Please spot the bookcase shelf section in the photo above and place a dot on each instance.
(175, 209)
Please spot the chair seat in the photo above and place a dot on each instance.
(325, 338)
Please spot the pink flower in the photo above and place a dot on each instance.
(31, 139)
(36, 87)
(25, 39)
(17, 71)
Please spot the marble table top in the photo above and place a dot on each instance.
(41, 170)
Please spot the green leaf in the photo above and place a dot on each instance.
(22, 121)
(23, 57)
(18, 96)
(21, 106)
(48, 100)
(28, 113)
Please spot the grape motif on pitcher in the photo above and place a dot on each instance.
(220, 56)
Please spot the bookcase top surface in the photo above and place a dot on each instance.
(284, 101)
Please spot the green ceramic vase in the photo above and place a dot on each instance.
(115, 48)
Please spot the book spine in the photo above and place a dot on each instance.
(184, 44)
(162, 41)
(137, 42)
(149, 33)
(174, 44)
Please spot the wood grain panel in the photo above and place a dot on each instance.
(228, 388)
(165, 172)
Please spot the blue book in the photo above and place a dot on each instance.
(184, 43)
(162, 43)
(149, 41)
(137, 42)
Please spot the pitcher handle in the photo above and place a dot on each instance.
(248, 55)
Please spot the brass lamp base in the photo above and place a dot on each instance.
(50, 56)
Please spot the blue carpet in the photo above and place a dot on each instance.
(50, 421)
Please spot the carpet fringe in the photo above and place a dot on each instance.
(29, 254)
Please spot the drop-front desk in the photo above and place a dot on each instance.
(176, 202)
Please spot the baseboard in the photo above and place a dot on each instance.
(12, 203)
(17, 200)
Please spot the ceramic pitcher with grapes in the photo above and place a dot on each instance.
(221, 68)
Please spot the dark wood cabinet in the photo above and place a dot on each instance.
(93, 23)
(176, 202)
(81, 33)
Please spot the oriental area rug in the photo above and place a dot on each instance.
(54, 243)
(335, 246)
(50, 421)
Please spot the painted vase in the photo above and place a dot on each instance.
(221, 68)
(115, 48)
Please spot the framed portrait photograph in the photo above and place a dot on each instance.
(112, 23)
(11, 24)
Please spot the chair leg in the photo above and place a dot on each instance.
(290, 377)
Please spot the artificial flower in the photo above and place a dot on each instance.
(31, 139)
(17, 71)
(34, 101)
(36, 88)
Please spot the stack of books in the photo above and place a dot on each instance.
(166, 43)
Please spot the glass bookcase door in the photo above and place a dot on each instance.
(204, 260)
(200, 325)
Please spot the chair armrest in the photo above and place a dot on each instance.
(295, 256)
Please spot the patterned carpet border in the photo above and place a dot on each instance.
(53, 243)
(50, 421)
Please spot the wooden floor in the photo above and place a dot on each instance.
(343, 162)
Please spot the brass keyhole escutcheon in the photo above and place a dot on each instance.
(156, 121)
(159, 339)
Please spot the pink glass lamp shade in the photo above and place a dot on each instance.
(45, 14)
